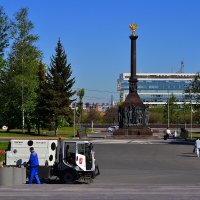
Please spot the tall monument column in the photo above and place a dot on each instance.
(133, 114)
(133, 77)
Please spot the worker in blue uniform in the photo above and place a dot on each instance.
(34, 165)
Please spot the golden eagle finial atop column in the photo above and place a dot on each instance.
(133, 28)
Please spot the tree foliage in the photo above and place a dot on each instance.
(59, 89)
(111, 115)
(171, 108)
(20, 79)
(40, 111)
(156, 114)
(5, 34)
(92, 115)
(5, 27)
(80, 93)
(195, 92)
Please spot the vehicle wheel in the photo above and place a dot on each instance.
(97, 172)
(68, 177)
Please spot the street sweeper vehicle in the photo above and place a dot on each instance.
(69, 160)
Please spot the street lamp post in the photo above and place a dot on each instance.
(92, 126)
(22, 96)
(74, 119)
(191, 115)
(184, 106)
(168, 111)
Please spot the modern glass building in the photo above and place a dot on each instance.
(154, 88)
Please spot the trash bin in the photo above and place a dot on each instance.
(6, 176)
(12, 176)
(19, 176)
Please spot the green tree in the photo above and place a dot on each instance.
(59, 89)
(5, 34)
(92, 115)
(194, 90)
(185, 113)
(171, 107)
(40, 111)
(156, 114)
(111, 115)
(21, 75)
(80, 93)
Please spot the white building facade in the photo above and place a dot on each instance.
(156, 88)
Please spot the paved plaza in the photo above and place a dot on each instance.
(129, 170)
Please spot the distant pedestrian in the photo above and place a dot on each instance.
(174, 134)
(167, 133)
(197, 147)
(34, 165)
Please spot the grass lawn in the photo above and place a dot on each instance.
(4, 145)
(34, 135)
(195, 136)
(64, 132)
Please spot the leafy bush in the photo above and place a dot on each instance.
(184, 134)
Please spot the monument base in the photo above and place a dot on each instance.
(133, 131)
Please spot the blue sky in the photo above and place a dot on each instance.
(95, 35)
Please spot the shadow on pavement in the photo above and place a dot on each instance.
(188, 155)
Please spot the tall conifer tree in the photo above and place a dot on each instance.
(59, 90)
